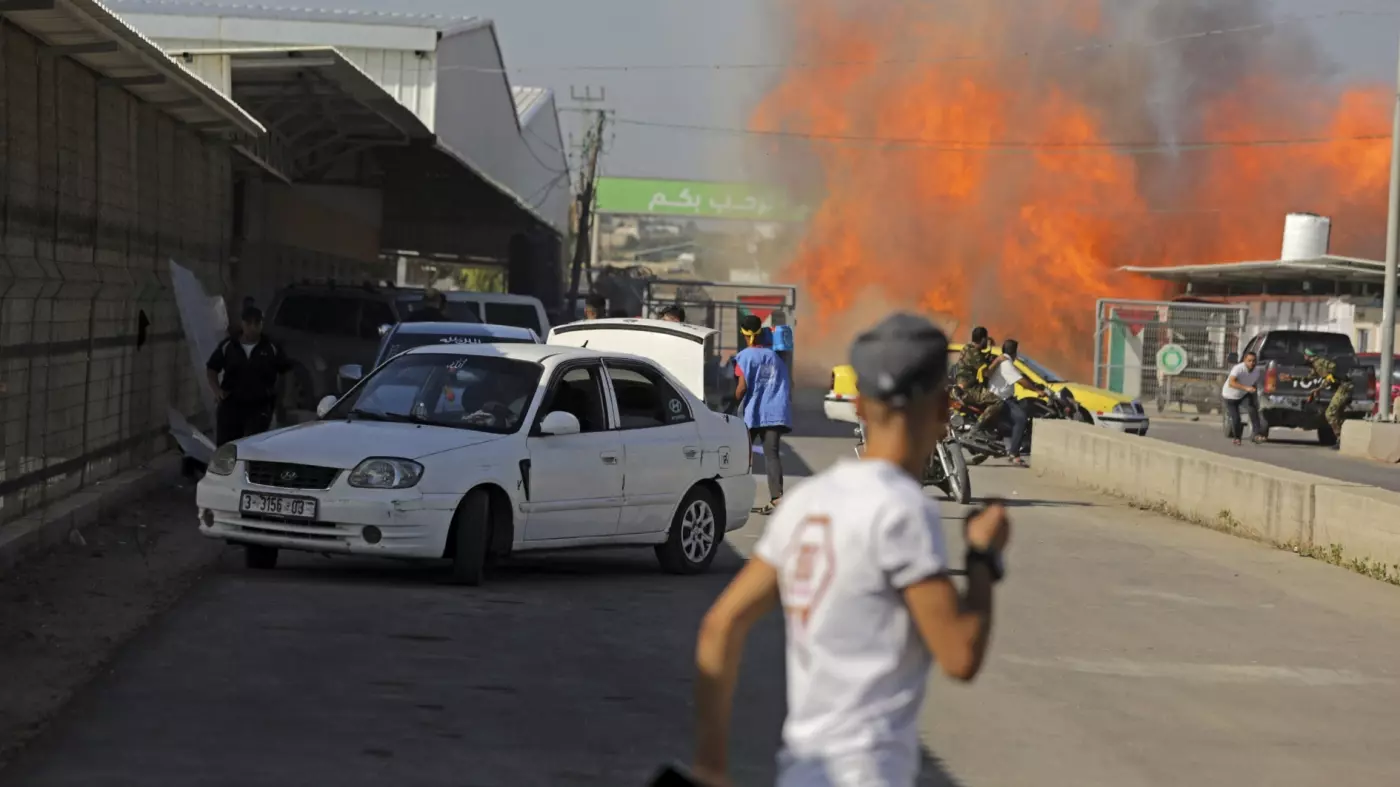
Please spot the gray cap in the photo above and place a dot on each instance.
(903, 355)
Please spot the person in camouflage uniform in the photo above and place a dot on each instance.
(1324, 370)
(973, 364)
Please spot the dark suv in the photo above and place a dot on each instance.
(324, 325)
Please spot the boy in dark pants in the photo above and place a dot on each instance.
(765, 394)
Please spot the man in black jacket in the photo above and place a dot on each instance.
(243, 372)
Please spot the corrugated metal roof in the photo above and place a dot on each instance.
(287, 12)
(527, 100)
(88, 32)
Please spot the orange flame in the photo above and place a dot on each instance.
(1017, 212)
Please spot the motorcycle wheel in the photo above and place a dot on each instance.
(957, 483)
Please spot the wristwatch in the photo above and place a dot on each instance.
(989, 558)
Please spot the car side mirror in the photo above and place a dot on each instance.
(559, 423)
(383, 329)
(325, 406)
(352, 372)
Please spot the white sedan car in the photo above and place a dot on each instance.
(471, 452)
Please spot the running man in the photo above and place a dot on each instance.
(764, 390)
(856, 559)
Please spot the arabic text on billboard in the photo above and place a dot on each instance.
(698, 199)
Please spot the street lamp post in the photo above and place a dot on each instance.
(1392, 246)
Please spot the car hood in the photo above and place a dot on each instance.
(1094, 399)
(345, 444)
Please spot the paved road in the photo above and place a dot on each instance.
(1131, 650)
(1286, 448)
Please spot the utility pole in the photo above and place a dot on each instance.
(1392, 246)
(593, 144)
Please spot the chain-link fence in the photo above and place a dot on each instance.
(99, 192)
(1129, 336)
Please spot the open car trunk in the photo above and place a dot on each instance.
(688, 352)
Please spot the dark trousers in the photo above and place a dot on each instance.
(233, 420)
(770, 438)
(1249, 401)
(1020, 419)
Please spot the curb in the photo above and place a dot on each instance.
(40, 531)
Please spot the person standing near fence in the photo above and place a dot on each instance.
(1242, 390)
(243, 372)
(764, 391)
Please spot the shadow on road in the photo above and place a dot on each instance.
(569, 669)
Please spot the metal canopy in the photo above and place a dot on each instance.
(1329, 267)
(87, 32)
(319, 106)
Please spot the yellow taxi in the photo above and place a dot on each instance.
(1106, 408)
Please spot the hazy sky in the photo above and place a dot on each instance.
(539, 33)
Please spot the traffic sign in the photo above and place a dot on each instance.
(1171, 360)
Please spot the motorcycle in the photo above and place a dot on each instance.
(984, 445)
(946, 467)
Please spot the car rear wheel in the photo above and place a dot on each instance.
(260, 557)
(471, 534)
(696, 532)
(1326, 436)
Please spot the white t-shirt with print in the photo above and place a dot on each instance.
(1243, 376)
(845, 544)
(1003, 379)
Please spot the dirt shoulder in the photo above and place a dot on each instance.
(64, 615)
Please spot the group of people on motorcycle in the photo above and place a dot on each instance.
(987, 381)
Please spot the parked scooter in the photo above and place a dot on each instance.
(984, 445)
(946, 468)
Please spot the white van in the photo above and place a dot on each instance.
(495, 308)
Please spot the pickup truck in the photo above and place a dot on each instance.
(1284, 392)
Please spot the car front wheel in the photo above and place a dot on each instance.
(696, 532)
(471, 531)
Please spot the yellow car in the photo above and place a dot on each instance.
(1106, 408)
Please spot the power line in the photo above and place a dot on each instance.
(1023, 55)
(1134, 147)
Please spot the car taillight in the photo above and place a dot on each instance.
(1270, 378)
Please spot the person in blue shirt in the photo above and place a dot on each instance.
(765, 394)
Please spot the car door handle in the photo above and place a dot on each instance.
(690, 452)
(609, 459)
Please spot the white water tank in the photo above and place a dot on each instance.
(1305, 236)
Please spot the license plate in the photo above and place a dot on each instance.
(278, 505)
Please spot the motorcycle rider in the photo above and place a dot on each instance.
(1002, 381)
(973, 364)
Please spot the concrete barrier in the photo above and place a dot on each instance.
(1371, 440)
(1363, 521)
(1267, 502)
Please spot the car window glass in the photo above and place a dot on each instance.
(479, 392)
(463, 311)
(372, 315)
(292, 312)
(579, 393)
(320, 314)
(519, 315)
(645, 399)
(403, 341)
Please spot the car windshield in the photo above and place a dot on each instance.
(486, 393)
(1040, 371)
(402, 341)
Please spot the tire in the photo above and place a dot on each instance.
(1326, 436)
(958, 484)
(1083, 417)
(696, 532)
(471, 534)
(259, 557)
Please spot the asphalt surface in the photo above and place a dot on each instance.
(1287, 448)
(1130, 650)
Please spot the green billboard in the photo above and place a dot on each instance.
(695, 199)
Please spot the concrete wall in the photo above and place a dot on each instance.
(100, 192)
(1246, 497)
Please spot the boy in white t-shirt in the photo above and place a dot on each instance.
(856, 558)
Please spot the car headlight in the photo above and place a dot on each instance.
(224, 460)
(379, 472)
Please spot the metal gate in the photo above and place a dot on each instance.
(1129, 334)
